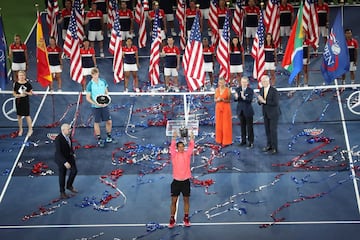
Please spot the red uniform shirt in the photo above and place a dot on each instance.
(125, 19)
(221, 13)
(161, 16)
(352, 45)
(94, 20)
(18, 52)
(86, 57)
(66, 14)
(171, 54)
(285, 14)
(252, 14)
(208, 53)
(54, 55)
(129, 54)
(190, 17)
(322, 12)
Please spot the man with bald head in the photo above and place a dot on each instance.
(65, 159)
(269, 99)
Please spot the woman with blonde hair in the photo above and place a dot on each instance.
(223, 115)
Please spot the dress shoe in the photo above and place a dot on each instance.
(266, 149)
(73, 190)
(251, 145)
(273, 151)
(242, 144)
(63, 195)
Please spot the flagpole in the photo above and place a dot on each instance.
(342, 12)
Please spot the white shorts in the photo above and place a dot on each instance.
(284, 31)
(205, 13)
(208, 67)
(163, 35)
(130, 67)
(95, 36)
(270, 66)
(305, 61)
(18, 66)
(250, 32)
(86, 71)
(236, 68)
(171, 72)
(64, 31)
(323, 31)
(105, 18)
(352, 67)
(125, 35)
(55, 69)
(188, 33)
(169, 17)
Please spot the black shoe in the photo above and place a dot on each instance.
(266, 149)
(63, 195)
(242, 144)
(251, 145)
(273, 151)
(73, 190)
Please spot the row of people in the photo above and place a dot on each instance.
(171, 55)
(96, 19)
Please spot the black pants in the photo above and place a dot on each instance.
(62, 176)
(247, 129)
(271, 132)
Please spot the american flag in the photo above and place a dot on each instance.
(154, 72)
(52, 11)
(222, 53)
(72, 46)
(272, 20)
(238, 20)
(115, 48)
(146, 5)
(180, 16)
(257, 51)
(140, 19)
(80, 12)
(213, 22)
(111, 13)
(193, 60)
(311, 23)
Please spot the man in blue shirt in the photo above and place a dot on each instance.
(98, 86)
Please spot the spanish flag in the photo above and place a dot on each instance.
(43, 67)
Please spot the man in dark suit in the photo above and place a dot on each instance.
(244, 96)
(269, 99)
(65, 159)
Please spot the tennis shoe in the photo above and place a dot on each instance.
(187, 222)
(101, 143)
(172, 222)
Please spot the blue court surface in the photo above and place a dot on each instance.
(309, 190)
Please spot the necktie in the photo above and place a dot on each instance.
(68, 140)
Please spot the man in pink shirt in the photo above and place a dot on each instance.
(181, 173)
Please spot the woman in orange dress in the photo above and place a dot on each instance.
(223, 115)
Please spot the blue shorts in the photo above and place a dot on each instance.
(101, 114)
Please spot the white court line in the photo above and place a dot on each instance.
(192, 224)
(22, 148)
(351, 162)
